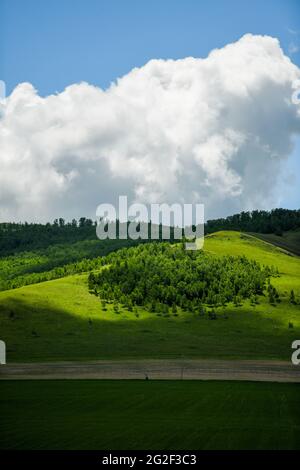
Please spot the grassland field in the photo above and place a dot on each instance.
(61, 320)
(153, 415)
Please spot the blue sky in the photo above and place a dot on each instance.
(53, 44)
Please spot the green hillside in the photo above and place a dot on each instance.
(61, 320)
(55, 261)
(289, 241)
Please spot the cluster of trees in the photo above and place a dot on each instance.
(159, 274)
(56, 261)
(31, 253)
(84, 265)
(274, 221)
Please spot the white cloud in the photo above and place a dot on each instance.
(215, 129)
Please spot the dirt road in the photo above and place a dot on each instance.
(180, 369)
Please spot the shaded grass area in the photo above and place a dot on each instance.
(49, 326)
(149, 415)
(288, 240)
(60, 320)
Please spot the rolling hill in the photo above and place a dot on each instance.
(61, 320)
(289, 240)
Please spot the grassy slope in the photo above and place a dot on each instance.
(51, 319)
(152, 415)
(236, 243)
(289, 240)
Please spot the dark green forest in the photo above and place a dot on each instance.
(18, 237)
(275, 221)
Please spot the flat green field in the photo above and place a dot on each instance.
(149, 415)
(60, 320)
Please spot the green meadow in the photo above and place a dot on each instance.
(149, 415)
(61, 320)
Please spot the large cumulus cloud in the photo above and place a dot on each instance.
(214, 130)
